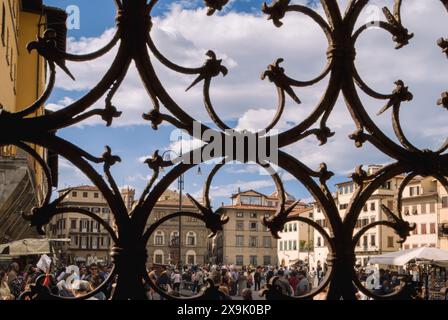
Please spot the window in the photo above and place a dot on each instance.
(423, 228)
(372, 206)
(159, 238)
(253, 215)
(423, 208)
(414, 210)
(239, 225)
(106, 210)
(158, 258)
(85, 194)
(415, 231)
(343, 206)
(174, 238)
(281, 245)
(364, 241)
(289, 245)
(74, 194)
(319, 241)
(251, 200)
(239, 241)
(191, 239)
(96, 195)
(239, 214)
(253, 242)
(432, 228)
(96, 210)
(295, 227)
(432, 207)
(406, 211)
(444, 202)
(191, 219)
(266, 260)
(190, 259)
(266, 242)
(3, 23)
(406, 247)
(365, 208)
(414, 191)
(266, 214)
(252, 226)
(83, 225)
(390, 242)
(386, 185)
(290, 227)
(73, 224)
(239, 261)
(372, 219)
(253, 260)
(294, 245)
(372, 240)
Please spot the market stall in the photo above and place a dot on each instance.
(429, 264)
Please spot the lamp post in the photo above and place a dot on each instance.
(180, 186)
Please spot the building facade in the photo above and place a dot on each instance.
(296, 242)
(375, 241)
(89, 240)
(163, 245)
(244, 240)
(421, 206)
(23, 78)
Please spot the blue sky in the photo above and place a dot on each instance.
(242, 99)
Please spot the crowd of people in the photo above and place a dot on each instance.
(61, 281)
(232, 282)
(235, 281)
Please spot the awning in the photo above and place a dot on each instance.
(423, 254)
(27, 247)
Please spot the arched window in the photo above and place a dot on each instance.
(158, 257)
(191, 238)
(159, 238)
(174, 238)
(190, 257)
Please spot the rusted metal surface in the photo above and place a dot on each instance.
(133, 38)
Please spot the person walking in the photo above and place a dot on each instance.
(176, 278)
(242, 282)
(283, 283)
(257, 279)
(5, 292)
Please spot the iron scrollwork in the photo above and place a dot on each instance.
(134, 41)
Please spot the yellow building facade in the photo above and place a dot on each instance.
(23, 77)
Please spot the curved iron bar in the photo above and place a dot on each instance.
(43, 98)
(44, 166)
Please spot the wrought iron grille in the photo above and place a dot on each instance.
(133, 38)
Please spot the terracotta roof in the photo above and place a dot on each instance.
(84, 187)
(244, 207)
(300, 211)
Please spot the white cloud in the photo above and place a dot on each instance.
(248, 43)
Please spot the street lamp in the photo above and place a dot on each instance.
(180, 186)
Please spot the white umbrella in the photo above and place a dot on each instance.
(401, 258)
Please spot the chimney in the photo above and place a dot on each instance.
(239, 190)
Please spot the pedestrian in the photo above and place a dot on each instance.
(293, 280)
(257, 278)
(5, 292)
(303, 287)
(247, 294)
(176, 279)
(242, 282)
(283, 283)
